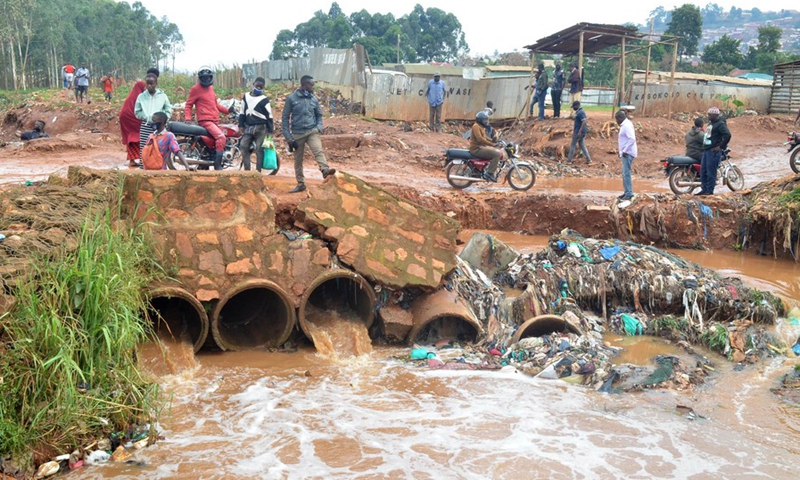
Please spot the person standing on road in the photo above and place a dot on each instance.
(435, 93)
(108, 86)
(579, 131)
(130, 125)
(208, 109)
(150, 101)
(541, 90)
(694, 140)
(557, 89)
(575, 84)
(69, 74)
(301, 123)
(627, 152)
(256, 121)
(715, 141)
(82, 84)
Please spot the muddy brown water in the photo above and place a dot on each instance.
(371, 415)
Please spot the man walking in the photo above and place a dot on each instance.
(256, 121)
(81, 83)
(627, 152)
(579, 131)
(69, 74)
(715, 141)
(541, 90)
(435, 94)
(301, 123)
(557, 89)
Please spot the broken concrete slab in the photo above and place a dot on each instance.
(488, 254)
(397, 322)
(383, 237)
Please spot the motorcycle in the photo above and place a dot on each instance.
(198, 145)
(463, 169)
(684, 173)
(791, 144)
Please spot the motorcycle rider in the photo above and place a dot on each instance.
(715, 141)
(256, 121)
(208, 109)
(481, 145)
(694, 140)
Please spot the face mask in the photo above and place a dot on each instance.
(257, 91)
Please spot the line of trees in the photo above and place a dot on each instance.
(422, 35)
(38, 36)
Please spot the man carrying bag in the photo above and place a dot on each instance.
(256, 119)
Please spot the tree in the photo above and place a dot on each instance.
(434, 34)
(659, 16)
(755, 14)
(723, 51)
(687, 23)
(769, 39)
(712, 13)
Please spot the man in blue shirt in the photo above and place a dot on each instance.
(435, 94)
(579, 133)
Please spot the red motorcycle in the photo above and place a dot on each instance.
(198, 145)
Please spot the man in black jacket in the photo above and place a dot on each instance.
(715, 141)
(256, 119)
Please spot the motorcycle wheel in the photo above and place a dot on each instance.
(734, 178)
(794, 160)
(459, 170)
(189, 152)
(521, 177)
(682, 175)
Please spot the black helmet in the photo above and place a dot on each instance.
(482, 117)
(206, 77)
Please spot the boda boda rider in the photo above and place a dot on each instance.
(481, 145)
(694, 140)
(208, 109)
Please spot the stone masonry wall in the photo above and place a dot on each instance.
(383, 237)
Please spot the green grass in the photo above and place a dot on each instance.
(715, 337)
(77, 322)
(792, 197)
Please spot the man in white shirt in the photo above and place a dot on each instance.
(627, 152)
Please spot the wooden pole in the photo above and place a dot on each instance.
(647, 69)
(622, 92)
(618, 89)
(580, 61)
(672, 75)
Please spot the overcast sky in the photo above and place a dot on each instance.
(238, 31)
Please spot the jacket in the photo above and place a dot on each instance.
(305, 113)
(717, 135)
(146, 105)
(478, 138)
(256, 110)
(575, 83)
(558, 80)
(204, 98)
(694, 143)
(541, 82)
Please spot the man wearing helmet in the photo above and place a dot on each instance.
(715, 141)
(480, 145)
(208, 109)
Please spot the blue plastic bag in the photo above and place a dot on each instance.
(270, 161)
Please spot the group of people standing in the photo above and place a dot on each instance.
(78, 79)
(540, 86)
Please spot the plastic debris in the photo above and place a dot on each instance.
(47, 469)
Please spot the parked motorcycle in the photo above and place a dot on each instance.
(198, 145)
(791, 144)
(463, 169)
(684, 173)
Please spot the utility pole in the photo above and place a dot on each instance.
(398, 48)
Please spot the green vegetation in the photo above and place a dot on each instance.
(38, 37)
(687, 23)
(422, 35)
(791, 197)
(715, 337)
(68, 370)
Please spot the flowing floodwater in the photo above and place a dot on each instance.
(366, 413)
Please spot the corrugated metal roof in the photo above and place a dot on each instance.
(664, 77)
(597, 37)
(421, 69)
(508, 68)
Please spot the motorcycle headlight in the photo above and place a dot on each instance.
(512, 149)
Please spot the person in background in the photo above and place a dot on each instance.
(166, 141)
(302, 125)
(694, 140)
(489, 108)
(627, 152)
(715, 141)
(534, 98)
(575, 84)
(82, 84)
(37, 132)
(541, 90)
(435, 93)
(69, 74)
(108, 86)
(256, 121)
(208, 109)
(150, 101)
(557, 89)
(797, 118)
(130, 125)
(481, 145)
(579, 131)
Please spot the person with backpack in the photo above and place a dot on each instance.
(160, 145)
(256, 121)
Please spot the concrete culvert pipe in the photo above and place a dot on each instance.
(177, 314)
(342, 292)
(543, 325)
(442, 315)
(255, 313)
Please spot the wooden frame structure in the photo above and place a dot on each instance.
(592, 38)
(785, 97)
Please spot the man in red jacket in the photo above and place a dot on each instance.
(208, 109)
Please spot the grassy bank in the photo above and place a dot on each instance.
(68, 371)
